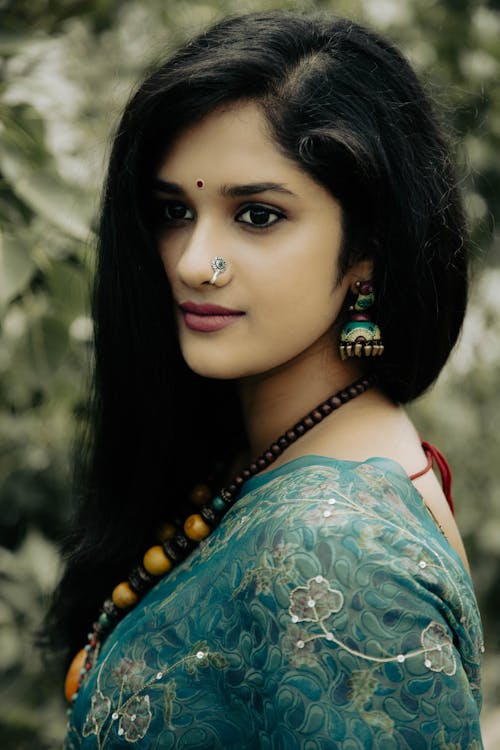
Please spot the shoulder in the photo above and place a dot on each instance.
(364, 530)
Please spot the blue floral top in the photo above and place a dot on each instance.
(326, 611)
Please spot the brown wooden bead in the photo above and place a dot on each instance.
(254, 469)
(335, 402)
(308, 422)
(291, 436)
(200, 494)
(283, 442)
(275, 449)
(239, 480)
(166, 531)
(299, 429)
(73, 675)
(123, 596)
(195, 528)
(261, 463)
(156, 562)
(317, 416)
(246, 474)
(269, 457)
(352, 392)
(344, 396)
(325, 409)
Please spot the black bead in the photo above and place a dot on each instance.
(226, 496)
(282, 442)
(316, 415)
(181, 542)
(110, 608)
(140, 580)
(246, 474)
(171, 552)
(308, 422)
(209, 515)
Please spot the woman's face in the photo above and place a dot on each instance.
(225, 189)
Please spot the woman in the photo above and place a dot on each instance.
(281, 236)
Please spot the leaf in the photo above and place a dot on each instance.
(48, 344)
(16, 269)
(68, 287)
(46, 194)
(169, 696)
(217, 660)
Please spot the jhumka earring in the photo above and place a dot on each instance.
(360, 336)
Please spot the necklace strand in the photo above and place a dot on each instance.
(176, 544)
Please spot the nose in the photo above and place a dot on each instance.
(205, 258)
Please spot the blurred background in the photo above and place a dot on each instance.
(67, 68)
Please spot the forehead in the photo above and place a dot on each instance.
(228, 144)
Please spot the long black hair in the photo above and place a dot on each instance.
(345, 106)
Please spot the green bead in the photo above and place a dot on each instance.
(218, 504)
(103, 619)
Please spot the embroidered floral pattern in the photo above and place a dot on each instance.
(298, 647)
(314, 602)
(135, 719)
(438, 647)
(100, 707)
(310, 616)
(131, 672)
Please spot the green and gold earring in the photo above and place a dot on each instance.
(360, 336)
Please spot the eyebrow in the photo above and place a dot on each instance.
(231, 191)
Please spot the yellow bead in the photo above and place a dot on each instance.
(123, 596)
(166, 532)
(195, 528)
(156, 562)
(200, 494)
(74, 674)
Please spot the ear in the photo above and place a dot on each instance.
(362, 270)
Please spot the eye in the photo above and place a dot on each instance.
(259, 216)
(173, 212)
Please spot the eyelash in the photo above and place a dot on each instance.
(164, 205)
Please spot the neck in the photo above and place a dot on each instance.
(274, 401)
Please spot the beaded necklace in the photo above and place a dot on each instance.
(176, 543)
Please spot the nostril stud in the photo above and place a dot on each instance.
(200, 183)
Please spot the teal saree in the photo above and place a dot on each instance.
(326, 611)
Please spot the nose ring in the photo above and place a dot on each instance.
(219, 265)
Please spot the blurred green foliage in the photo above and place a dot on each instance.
(66, 69)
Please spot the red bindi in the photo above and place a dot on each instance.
(200, 183)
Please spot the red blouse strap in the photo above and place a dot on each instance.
(433, 454)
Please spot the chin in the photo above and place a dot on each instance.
(218, 367)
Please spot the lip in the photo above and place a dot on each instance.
(207, 318)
